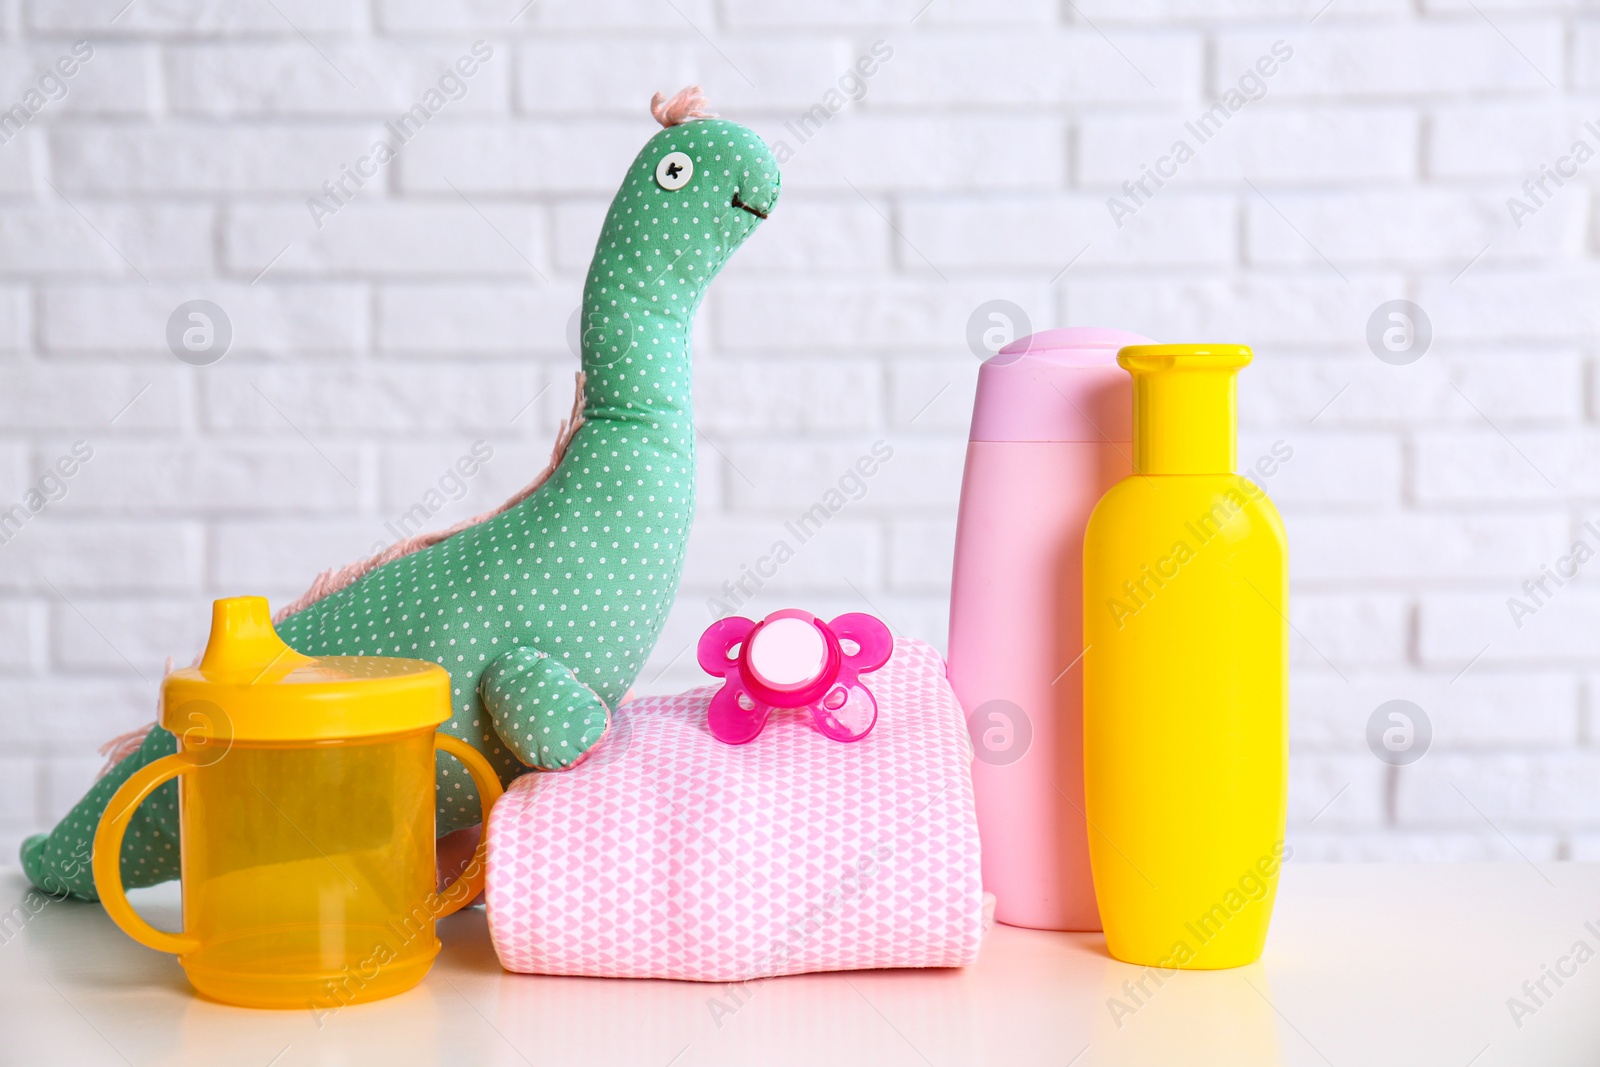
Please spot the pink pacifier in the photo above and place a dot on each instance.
(792, 659)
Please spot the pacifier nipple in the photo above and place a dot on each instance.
(787, 654)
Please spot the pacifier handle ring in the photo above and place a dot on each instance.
(825, 720)
(727, 721)
(730, 723)
(719, 638)
(874, 643)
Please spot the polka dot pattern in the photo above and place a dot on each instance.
(58, 862)
(545, 614)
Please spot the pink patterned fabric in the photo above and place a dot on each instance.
(669, 854)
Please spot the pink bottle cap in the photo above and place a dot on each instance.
(1057, 385)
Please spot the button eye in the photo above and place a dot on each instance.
(674, 171)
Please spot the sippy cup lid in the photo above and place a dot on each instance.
(250, 686)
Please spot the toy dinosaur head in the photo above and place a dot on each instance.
(694, 194)
(709, 182)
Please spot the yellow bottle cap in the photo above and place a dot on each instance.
(250, 686)
(1184, 418)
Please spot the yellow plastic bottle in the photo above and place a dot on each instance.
(1185, 709)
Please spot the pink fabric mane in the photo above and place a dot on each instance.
(334, 579)
(687, 104)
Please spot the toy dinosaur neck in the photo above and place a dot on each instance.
(639, 303)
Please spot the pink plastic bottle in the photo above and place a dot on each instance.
(1051, 432)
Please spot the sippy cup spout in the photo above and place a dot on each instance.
(243, 646)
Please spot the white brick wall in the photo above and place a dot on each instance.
(370, 353)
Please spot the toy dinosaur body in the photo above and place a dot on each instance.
(544, 612)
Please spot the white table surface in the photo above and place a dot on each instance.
(1366, 965)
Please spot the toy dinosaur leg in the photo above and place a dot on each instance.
(540, 709)
(59, 862)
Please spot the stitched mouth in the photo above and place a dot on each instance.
(741, 205)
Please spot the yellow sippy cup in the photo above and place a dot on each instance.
(306, 801)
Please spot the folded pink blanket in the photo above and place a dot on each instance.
(669, 854)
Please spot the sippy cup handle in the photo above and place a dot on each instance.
(465, 889)
(107, 857)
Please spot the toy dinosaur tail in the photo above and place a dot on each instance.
(334, 579)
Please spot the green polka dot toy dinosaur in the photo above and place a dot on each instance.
(544, 611)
